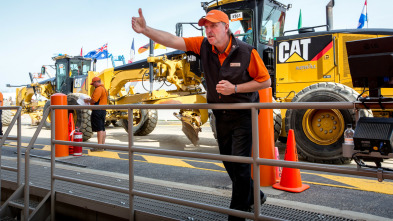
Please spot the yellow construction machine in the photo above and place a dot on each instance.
(73, 77)
(32, 97)
(308, 66)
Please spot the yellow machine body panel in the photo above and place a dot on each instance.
(301, 62)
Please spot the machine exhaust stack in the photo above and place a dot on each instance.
(329, 15)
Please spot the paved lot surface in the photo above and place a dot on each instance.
(354, 197)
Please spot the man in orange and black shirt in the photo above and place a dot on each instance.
(234, 73)
(1, 111)
(99, 97)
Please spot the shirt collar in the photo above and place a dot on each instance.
(227, 50)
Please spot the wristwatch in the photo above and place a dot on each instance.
(235, 88)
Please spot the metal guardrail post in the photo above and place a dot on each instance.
(52, 168)
(18, 149)
(131, 163)
(27, 165)
(255, 156)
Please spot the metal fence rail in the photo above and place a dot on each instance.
(255, 160)
(15, 119)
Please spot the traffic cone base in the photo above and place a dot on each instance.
(302, 188)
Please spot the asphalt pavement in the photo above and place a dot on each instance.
(348, 196)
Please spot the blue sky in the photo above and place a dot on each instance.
(34, 31)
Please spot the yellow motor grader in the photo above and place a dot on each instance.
(73, 77)
(32, 97)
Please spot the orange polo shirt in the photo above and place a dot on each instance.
(100, 94)
(256, 68)
(1, 99)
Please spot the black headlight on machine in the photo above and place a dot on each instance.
(374, 135)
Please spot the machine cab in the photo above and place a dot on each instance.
(257, 23)
(71, 73)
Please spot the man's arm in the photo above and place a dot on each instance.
(161, 37)
(225, 87)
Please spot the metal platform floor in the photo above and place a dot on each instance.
(84, 198)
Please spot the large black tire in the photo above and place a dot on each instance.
(212, 120)
(6, 117)
(145, 125)
(47, 123)
(82, 118)
(107, 123)
(319, 133)
(277, 119)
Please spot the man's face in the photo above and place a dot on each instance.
(216, 32)
(96, 83)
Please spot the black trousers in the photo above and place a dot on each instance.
(1, 123)
(234, 138)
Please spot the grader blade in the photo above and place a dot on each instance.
(190, 130)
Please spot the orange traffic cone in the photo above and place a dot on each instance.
(290, 178)
(71, 130)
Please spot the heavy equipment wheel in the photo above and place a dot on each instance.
(116, 123)
(81, 117)
(6, 117)
(144, 124)
(47, 123)
(319, 133)
(276, 119)
(107, 123)
(212, 120)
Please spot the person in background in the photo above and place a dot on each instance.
(234, 73)
(99, 97)
(1, 111)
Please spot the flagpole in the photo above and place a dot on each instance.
(366, 14)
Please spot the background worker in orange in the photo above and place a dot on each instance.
(234, 73)
(1, 112)
(99, 97)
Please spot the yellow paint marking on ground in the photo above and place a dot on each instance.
(332, 185)
(106, 154)
(46, 148)
(198, 168)
(167, 161)
(361, 184)
(219, 164)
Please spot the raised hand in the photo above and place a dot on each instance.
(139, 23)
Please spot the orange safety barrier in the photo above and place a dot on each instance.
(266, 138)
(290, 177)
(61, 120)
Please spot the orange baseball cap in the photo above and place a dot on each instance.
(94, 80)
(214, 16)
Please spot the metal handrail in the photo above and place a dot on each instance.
(17, 118)
(255, 160)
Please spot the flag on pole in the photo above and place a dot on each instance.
(146, 47)
(363, 17)
(299, 23)
(81, 51)
(143, 48)
(100, 53)
(132, 52)
(159, 46)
